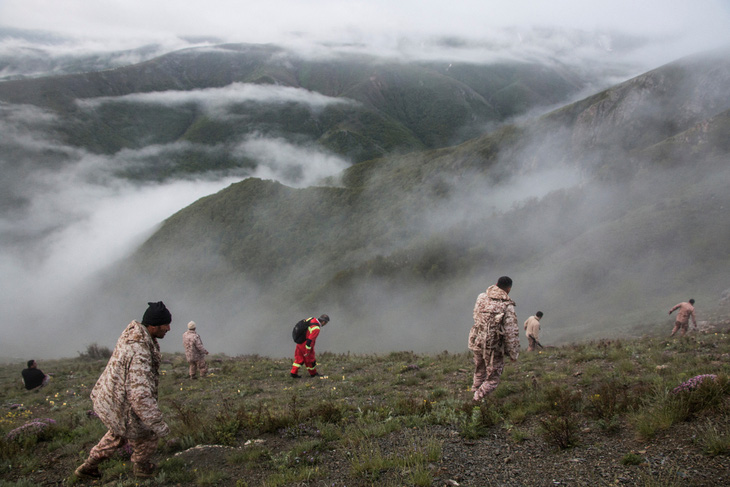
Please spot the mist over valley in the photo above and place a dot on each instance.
(248, 185)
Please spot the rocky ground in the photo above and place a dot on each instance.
(673, 458)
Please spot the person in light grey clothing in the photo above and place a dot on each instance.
(532, 331)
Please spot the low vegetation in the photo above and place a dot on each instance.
(651, 411)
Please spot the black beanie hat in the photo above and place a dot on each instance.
(157, 314)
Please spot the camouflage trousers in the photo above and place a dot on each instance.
(488, 367)
(531, 343)
(142, 448)
(196, 366)
(678, 325)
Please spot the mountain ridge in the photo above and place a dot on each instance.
(407, 240)
(431, 103)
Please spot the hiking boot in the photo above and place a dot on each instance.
(295, 376)
(88, 471)
(316, 374)
(144, 470)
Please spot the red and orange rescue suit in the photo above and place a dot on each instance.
(304, 353)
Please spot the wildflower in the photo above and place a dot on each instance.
(31, 428)
(693, 383)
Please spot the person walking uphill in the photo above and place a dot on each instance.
(195, 352)
(686, 311)
(304, 352)
(125, 396)
(495, 334)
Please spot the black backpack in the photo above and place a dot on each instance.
(299, 333)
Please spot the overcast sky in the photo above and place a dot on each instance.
(679, 26)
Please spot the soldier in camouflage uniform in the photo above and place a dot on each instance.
(195, 352)
(495, 334)
(686, 311)
(125, 396)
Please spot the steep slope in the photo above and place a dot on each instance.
(646, 110)
(595, 234)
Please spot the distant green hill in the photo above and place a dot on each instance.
(393, 106)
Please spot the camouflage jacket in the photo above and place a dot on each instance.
(686, 311)
(125, 396)
(495, 324)
(194, 349)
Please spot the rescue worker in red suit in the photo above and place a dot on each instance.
(304, 353)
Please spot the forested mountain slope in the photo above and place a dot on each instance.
(368, 106)
(604, 211)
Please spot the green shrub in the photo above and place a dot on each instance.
(560, 431)
(249, 456)
(713, 439)
(562, 401)
(95, 352)
(610, 425)
(632, 459)
(475, 421)
(608, 399)
(206, 477)
(328, 411)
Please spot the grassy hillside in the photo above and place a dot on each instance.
(592, 413)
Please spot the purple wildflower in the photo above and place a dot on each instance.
(693, 383)
(125, 452)
(29, 429)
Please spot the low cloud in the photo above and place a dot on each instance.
(291, 164)
(217, 101)
(649, 33)
(68, 216)
(88, 228)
